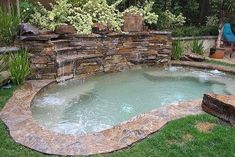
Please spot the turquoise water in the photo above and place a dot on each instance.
(92, 105)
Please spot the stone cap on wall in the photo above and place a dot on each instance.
(45, 37)
(4, 50)
(198, 37)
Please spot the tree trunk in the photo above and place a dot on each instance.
(221, 20)
(204, 9)
(18, 7)
(221, 11)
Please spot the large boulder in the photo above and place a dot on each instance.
(193, 57)
(4, 78)
(220, 106)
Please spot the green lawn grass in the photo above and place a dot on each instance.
(181, 138)
(8, 148)
(176, 139)
(219, 63)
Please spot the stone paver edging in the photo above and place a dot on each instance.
(202, 65)
(23, 128)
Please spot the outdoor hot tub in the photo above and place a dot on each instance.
(100, 102)
(107, 112)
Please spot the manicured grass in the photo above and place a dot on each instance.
(8, 148)
(178, 138)
(5, 94)
(220, 63)
(182, 138)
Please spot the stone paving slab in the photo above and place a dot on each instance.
(23, 128)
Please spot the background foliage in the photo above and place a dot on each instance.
(8, 25)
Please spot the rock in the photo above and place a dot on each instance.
(193, 57)
(99, 28)
(4, 78)
(27, 29)
(65, 29)
(4, 50)
(39, 37)
(220, 106)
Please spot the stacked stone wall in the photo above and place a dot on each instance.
(63, 57)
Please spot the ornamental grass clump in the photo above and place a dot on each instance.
(177, 50)
(4, 62)
(19, 67)
(197, 47)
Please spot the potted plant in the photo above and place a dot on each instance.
(217, 53)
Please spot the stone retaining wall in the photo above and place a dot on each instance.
(61, 57)
(208, 42)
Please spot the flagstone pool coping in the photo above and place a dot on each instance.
(24, 129)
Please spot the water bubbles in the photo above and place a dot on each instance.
(216, 72)
(127, 108)
(174, 69)
(50, 100)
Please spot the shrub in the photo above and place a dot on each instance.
(19, 66)
(145, 11)
(8, 25)
(197, 47)
(191, 31)
(26, 10)
(212, 20)
(49, 19)
(168, 20)
(101, 12)
(81, 14)
(177, 50)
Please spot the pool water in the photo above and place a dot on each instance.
(98, 103)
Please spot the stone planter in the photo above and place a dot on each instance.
(217, 53)
(133, 23)
(65, 29)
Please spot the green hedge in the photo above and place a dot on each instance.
(191, 31)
